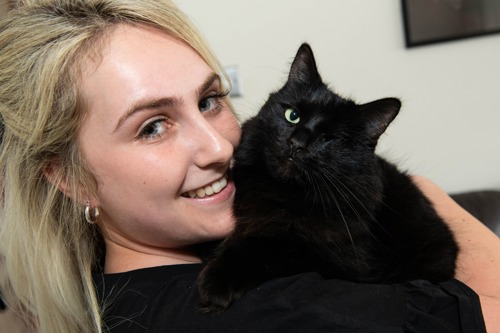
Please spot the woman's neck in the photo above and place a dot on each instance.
(122, 258)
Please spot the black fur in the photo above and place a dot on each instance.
(313, 196)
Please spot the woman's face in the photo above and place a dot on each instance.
(157, 132)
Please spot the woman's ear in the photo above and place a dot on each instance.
(53, 173)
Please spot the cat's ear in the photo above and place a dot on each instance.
(303, 67)
(379, 114)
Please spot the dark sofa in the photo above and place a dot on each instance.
(484, 205)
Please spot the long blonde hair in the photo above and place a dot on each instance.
(47, 249)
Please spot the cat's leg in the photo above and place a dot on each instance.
(436, 261)
(239, 267)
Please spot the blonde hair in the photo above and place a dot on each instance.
(47, 249)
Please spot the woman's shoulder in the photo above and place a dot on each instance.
(161, 298)
(130, 300)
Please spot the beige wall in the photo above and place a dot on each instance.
(448, 129)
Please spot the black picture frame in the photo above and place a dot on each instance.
(434, 21)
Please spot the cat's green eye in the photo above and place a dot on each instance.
(292, 116)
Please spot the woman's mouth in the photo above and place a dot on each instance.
(208, 190)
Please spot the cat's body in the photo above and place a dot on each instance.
(313, 196)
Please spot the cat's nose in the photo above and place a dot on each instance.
(296, 146)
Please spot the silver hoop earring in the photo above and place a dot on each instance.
(91, 215)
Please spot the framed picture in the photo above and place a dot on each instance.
(433, 21)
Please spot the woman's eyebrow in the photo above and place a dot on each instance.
(164, 102)
(208, 83)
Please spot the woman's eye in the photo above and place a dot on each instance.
(292, 116)
(208, 104)
(154, 129)
(212, 102)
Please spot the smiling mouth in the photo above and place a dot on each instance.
(208, 190)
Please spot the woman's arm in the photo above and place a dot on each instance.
(478, 263)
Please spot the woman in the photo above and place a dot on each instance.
(117, 141)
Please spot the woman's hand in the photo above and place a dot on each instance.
(478, 262)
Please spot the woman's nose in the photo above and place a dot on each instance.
(209, 145)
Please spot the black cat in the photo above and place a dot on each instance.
(313, 196)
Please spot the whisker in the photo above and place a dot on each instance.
(331, 181)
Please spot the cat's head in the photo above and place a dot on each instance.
(305, 127)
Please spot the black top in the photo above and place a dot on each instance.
(164, 299)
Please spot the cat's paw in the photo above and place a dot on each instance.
(223, 281)
(215, 298)
(217, 289)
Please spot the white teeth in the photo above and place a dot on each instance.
(217, 187)
(223, 182)
(200, 192)
(208, 190)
